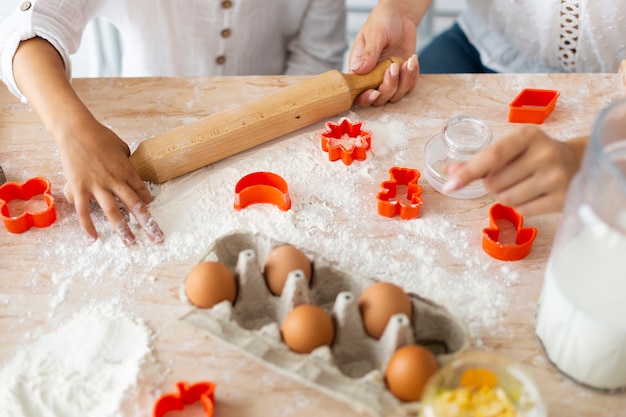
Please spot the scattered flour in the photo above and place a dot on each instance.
(333, 213)
(85, 368)
(93, 360)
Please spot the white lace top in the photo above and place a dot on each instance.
(547, 35)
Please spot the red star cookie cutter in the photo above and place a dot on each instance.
(358, 141)
(523, 240)
(532, 106)
(203, 391)
(33, 187)
(389, 205)
(262, 187)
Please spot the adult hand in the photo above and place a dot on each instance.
(390, 30)
(96, 166)
(526, 169)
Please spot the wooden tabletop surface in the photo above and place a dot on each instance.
(47, 275)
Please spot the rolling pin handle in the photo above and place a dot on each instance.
(358, 83)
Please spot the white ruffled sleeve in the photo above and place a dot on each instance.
(60, 22)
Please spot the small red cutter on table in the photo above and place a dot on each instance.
(390, 205)
(262, 187)
(33, 187)
(358, 141)
(532, 106)
(187, 394)
(523, 240)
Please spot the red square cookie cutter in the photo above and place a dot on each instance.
(389, 205)
(203, 391)
(360, 141)
(532, 106)
(523, 240)
(11, 191)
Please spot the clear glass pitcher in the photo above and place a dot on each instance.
(581, 318)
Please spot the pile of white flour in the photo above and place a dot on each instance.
(85, 368)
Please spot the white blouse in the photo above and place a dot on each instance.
(190, 37)
(547, 35)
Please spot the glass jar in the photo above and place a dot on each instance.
(581, 318)
(459, 140)
(481, 382)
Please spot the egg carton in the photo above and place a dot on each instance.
(352, 369)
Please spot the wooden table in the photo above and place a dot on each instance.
(40, 288)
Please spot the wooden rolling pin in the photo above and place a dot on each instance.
(210, 139)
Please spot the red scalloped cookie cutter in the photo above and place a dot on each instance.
(203, 391)
(532, 106)
(389, 205)
(33, 187)
(358, 141)
(262, 187)
(523, 239)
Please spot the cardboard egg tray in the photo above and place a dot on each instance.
(352, 368)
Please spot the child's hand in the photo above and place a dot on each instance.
(97, 168)
(527, 170)
(95, 160)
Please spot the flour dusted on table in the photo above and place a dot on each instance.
(87, 367)
(333, 213)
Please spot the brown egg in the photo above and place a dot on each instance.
(280, 262)
(408, 371)
(379, 302)
(307, 327)
(209, 283)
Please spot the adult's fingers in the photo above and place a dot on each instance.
(397, 82)
(546, 203)
(409, 72)
(490, 159)
(386, 89)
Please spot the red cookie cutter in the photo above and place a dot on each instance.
(523, 240)
(388, 203)
(33, 187)
(532, 106)
(360, 141)
(187, 394)
(262, 187)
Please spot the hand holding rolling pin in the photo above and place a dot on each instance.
(390, 30)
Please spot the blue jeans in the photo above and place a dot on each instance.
(450, 53)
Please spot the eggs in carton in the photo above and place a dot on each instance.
(352, 366)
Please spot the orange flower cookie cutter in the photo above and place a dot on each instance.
(390, 205)
(532, 106)
(346, 141)
(262, 187)
(11, 191)
(523, 240)
(203, 391)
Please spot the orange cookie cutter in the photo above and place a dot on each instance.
(357, 151)
(262, 187)
(532, 106)
(11, 191)
(523, 240)
(203, 391)
(388, 203)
